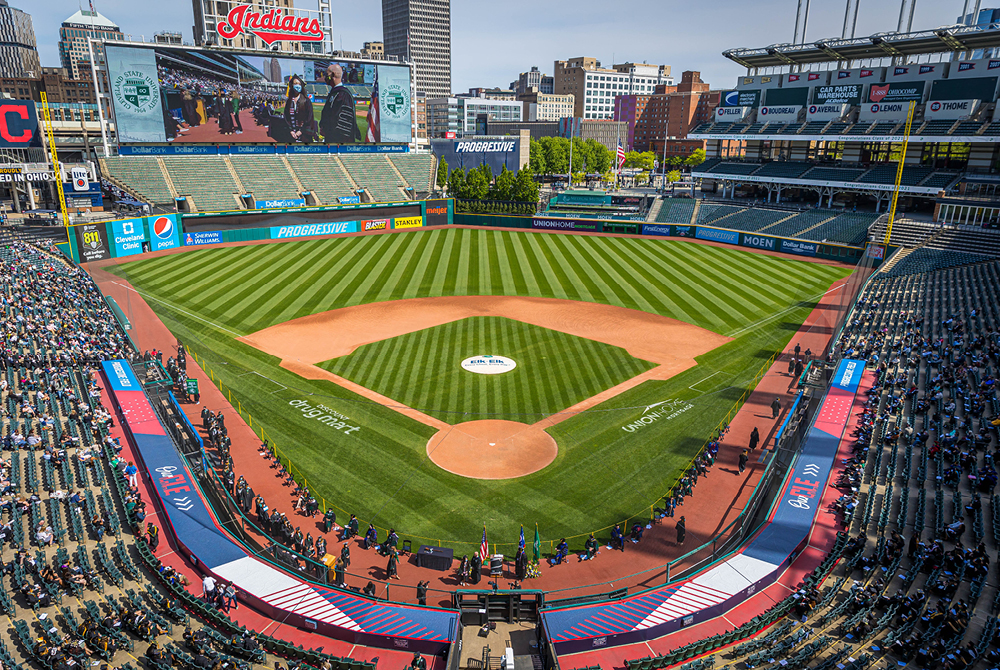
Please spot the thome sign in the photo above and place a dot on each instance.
(271, 26)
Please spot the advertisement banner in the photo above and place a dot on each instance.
(566, 224)
(782, 114)
(758, 242)
(716, 235)
(730, 114)
(902, 91)
(437, 212)
(19, 125)
(886, 111)
(376, 224)
(129, 235)
(742, 98)
(313, 230)
(683, 231)
(205, 237)
(276, 204)
(826, 112)
(349, 199)
(845, 94)
(403, 222)
(798, 247)
(950, 109)
(92, 242)
(656, 229)
(979, 88)
(164, 233)
(190, 96)
(135, 91)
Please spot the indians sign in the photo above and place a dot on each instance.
(270, 26)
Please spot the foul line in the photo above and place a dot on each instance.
(254, 372)
(692, 387)
(174, 307)
(777, 314)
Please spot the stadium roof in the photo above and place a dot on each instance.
(91, 19)
(880, 45)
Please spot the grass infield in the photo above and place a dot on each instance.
(422, 369)
(604, 472)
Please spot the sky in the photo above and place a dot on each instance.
(492, 42)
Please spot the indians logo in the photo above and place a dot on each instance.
(137, 91)
(163, 227)
(395, 102)
(271, 26)
(878, 92)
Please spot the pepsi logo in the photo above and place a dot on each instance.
(163, 227)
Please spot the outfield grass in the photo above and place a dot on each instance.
(602, 474)
(422, 369)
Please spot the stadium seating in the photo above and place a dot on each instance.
(710, 212)
(860, 128)
(676, 210)
(702, 128)
(885, 128)
(799, 223)
(833, 174)
(791, 129)
(940, 179)
(734, 168)
(789, 169)
(417, 170)
(707, 165)
(754, 128)
(814, 127)
(374, 173)
(967, 239)
(749, 220)
(847, 228)
(939, 127)
(323, 175)
(992, 129)
(207, 180)
(886, 174)
(967, 128)
(266, 177)
(905, 232)
(836, 128)
(141, 175)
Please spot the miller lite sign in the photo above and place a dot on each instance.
(271, 26)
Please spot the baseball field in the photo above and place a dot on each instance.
(348, 353)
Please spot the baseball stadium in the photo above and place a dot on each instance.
(309, 410)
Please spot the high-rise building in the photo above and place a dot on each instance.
(661, 122)
(18, 50)
(457, 117)
(594, 88)
(73, 34)
(373, 51)
(168, 37)
(420, 31)
(533, 78)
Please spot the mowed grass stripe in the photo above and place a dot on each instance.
(296, 282)
(624, 283)
(671, 291)
(336, 269)
(574, 278)
(389, 270)
(738, 285)
(549, 283)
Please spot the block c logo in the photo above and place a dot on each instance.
(5, 133)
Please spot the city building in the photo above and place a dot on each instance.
(18, 50)
(668, 116)
(420, 114)
(420, 31)
(168, 37)
(545, 106)
(208, 14)
(73, 34)
(55, 83)
(457, 117)
(532, 79)
(489, 94)
(594, 88)
(373, 51)
(606, 132)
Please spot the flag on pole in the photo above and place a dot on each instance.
(374, 134)
(484, 548)
(621, 154)
(536, 546)
(520, 544)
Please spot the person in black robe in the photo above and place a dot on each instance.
(754, 439)
(338, 123)
(345, 554)
(224, 110)
(681, 531)
(521, 564)
(391, 568)
(591, 547)
(474, 568)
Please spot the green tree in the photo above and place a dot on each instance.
(456, 183)
(476, 186)
(504, 187)
(675, 161)
(487, 172)
(442, 175)
(525, 187)
(556, 151)
(674, 175)
(697, 157)
(599, 160)
(536, 158)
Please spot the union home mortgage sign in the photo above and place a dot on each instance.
(270, 26)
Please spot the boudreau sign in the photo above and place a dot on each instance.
(271, 26)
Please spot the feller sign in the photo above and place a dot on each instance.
(271, 26)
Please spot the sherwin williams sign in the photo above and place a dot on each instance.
(207, 237)
(313, 230)
(403, 222)
(716, 235)
(129, 234)
(566, 224)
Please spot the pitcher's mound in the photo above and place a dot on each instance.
(492, 449)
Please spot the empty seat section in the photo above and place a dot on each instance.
(266, 177)
(860, 128)
(798, 223)
(751, 220)
(709, 213)
(939, 179)
(735, 168)
(833, 174)
(928, 260)
(416, 170)
(848, 228)
(937, 127)
(676, 210)
(374, 174)
(206, 180)
(813, 128)
(886, 174)
(967, 128)
(323, 176)
(790, 169)
(141, 174)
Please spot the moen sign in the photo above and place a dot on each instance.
(271, 26)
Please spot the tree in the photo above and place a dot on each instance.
(641, 161)
(525, 187)
(442, 175)
(600, 157)
(675, 161)
(456, 183)
(476, 186)
(504, 187)
(536, 158)
(697, 157)
(674, 175)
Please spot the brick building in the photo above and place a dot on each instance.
(668, 115)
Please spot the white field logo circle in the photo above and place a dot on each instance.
(489, 365)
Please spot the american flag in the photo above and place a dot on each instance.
(374, 132)
(484, 548)
(621, 154)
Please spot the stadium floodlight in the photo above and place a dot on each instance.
(949, 39)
